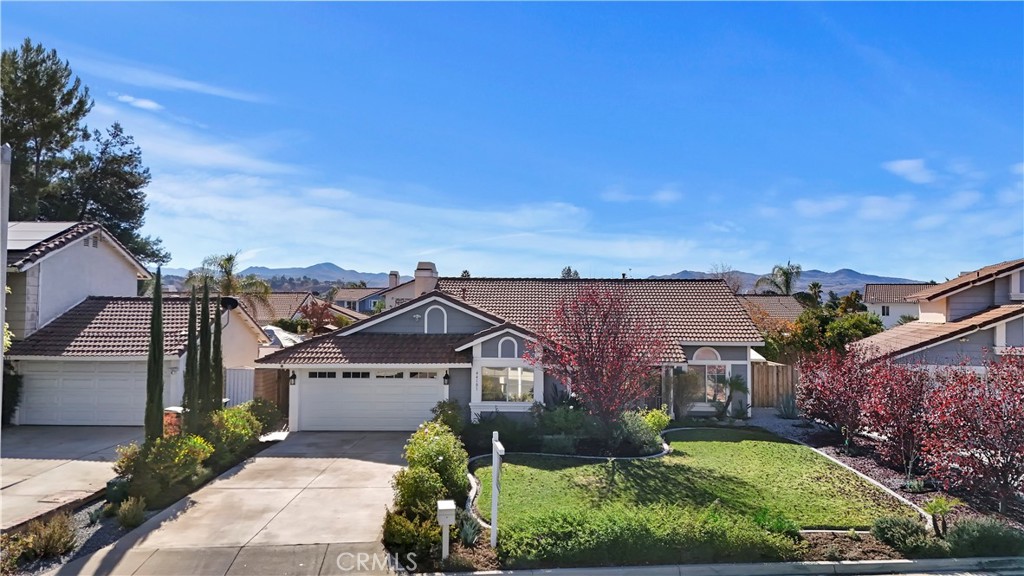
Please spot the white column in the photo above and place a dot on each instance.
(293, 405)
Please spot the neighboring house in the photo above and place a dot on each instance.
(398, 293)
(889, 301)
(88, 366)
(286, 305)
(975, 314)
(53, 266)
(358, 299)
(771, 306)
(464, 339)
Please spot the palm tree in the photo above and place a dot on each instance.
(814, 289)
(222, 272)
(782, 280)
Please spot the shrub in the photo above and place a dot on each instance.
(939, 508)
(899, 532)
(266, 413)
(131, 513)
(558, 444)
(786, 408)
(232, 431)
(417, 490)
(435, 447)
(516, 435)
(128, 457)
(831, 388)
(926, 547)
(985, 537)
(636, 436)
(12, 548)
(177, 458)
(620, 535)
(416, 543)
(449, 413)
(469, 529)
(657, 418)
(11, 397)
(53, 537)
(561, 420)
(777, 523)
(894, 409)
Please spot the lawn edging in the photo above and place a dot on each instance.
(782, 568)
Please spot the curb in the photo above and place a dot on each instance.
(71, 505)
(865, 567)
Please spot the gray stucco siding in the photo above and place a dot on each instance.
(460, 388)
(1015, 332)
(489, 348)
(459, 322)
(971, 300)
(1002, 291)
(954, 351)
(727, 353)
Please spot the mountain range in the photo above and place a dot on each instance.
(842, 281)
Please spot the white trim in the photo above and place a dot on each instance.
(374, 320)
(495, 335)
(1000, 336)
(351, 367)
(1015, 293)
(962, 334)
(515, 347)
(426, 319)
(978, 282)
(110, 240)
(79, 358)
(740, 343)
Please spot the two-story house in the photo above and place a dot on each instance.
(890, 301)
(974, 314)
(81, 333)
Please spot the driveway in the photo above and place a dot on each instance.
(45, 467)
(310, 504)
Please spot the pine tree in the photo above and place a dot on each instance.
(155, 368)
(205, 368)
(191, 400)
(217, 389)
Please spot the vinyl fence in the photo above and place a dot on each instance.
(238, 385)
(770, 382)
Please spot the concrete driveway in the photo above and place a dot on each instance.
(296, 508)
(45, 467)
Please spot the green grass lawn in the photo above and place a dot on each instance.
(744, 469)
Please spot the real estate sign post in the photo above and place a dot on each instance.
(497, 451)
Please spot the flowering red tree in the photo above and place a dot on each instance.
(595, 344)
(831, 388)
(894, 408)
(320, 313)
(975, 434)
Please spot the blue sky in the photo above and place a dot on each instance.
(515, 139)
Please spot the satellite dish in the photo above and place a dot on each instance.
(228, 302)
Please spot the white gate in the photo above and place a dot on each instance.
(238, 385)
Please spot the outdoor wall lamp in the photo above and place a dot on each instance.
(447, 379)
(291, 379)
(417, 317)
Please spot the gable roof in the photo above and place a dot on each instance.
(692, 311)
(30, 242)
(355, 294)
(493, 331)
(286, 305)
(967, 280)
(113, 327)
(890, 293)
(435, 295)
(775, 306)
(373, 348)
(913, 336)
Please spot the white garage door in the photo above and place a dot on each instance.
(367, 404)
(83, 393)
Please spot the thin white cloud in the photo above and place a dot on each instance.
(663, 195)
(1018, 169)
(963, 199)
(141, 76)
(667, 195)
(884, 207)
(616, 194)
(142, 103)
(930, 222)
(817, 208)
(912, 170)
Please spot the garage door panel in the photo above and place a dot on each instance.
(83, 393)
(367, 404)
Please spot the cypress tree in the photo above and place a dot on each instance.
(205, 369)
(191, 400)
(217, 388)
(155, 366)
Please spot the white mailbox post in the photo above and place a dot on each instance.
(497, 451)
(445, 517)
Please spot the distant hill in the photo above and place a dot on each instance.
(842, 281)
(325, 271)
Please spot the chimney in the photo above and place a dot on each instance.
(393, 279)
(623, 275)
(425, 278)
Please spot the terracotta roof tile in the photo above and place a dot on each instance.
(286, 304)
(350, 294)
(911, 336)
(108, 326)
(374, 348)
(890, 293)
(965, 280)
(780, 307)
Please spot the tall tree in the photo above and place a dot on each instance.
(569, 274)
(155, 368)
(814, 289)
(725, 272)
(782, 279)
(190, 402)
(221, 271)
(205, 371)
(217, 363)
(43, 113)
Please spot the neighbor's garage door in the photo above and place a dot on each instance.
(83, 393)
(367, 404)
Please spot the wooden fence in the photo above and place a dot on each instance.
(770, 382)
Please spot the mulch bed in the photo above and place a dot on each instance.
(479, 557)
(833, 547)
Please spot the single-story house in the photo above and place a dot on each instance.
(889, 301)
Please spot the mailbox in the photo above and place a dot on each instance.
(445, 517)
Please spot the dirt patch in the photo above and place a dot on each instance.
(479, 557)
(833, 547)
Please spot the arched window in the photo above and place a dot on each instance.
(435, 321)
(508, 348)
(706, 354)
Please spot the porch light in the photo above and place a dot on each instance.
(291, 379)
(446, 378)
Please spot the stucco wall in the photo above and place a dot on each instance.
(953, 352)
(489, 348)
(1015, 333)
(17, 313)
(239, 341)
(76, 272)
(728, 353)
(458, 322)
(400, 295)
(895, 311)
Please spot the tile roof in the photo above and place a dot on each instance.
(374, 348)
(108, 326)
(890, 293)
(690, 310)
(286, 304)
(27, 242)
(780, 307)
(966, 280)
(354, 294)
(909, 337)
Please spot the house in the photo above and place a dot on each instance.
(771, 306)
(53, 266)
(88, 365)
(977, 313)
(361, 300)
(889, 301)
(465, 338)
(286, 305)
(398, 293)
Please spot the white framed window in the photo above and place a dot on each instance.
(508, 348)
(392, 374)
(323, 374)
(355, 374)
(435, 320)
(709, 375)
(506, 384)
